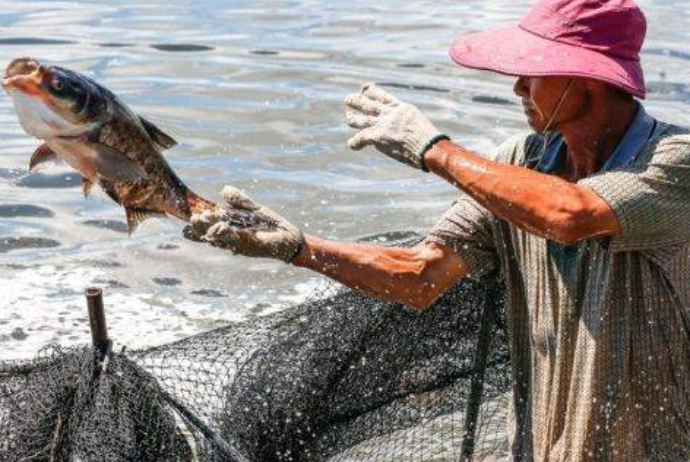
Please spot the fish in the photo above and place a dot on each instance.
(87, 126)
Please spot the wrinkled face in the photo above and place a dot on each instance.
(51, 101)
(541, 97)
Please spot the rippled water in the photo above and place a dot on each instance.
(253, 92)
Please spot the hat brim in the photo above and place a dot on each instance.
(518, 52)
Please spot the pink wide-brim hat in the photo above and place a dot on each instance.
(598, 39)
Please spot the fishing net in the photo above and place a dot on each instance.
(340, 377)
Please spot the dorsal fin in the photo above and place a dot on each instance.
(158, 136)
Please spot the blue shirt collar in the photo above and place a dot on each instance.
(639, 132)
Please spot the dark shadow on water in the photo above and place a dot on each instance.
(181, 47)
(390, 237)
(411, 65)
(19, 334)
(484, 99)
(102, 263)
(167, 281)
(17, 266)
(257, 309)
(24, 210)
(112, 225)
(675, 91)
(413, 87)
(172, 47)
(115, 45)
(264, 52)
(42, 181)
(17, 243)
(34, 41)
(208, 293)
(672, 53)
(11, 173)
(110, 283)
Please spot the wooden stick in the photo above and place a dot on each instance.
(99, 328)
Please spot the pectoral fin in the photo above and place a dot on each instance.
(158, 136)
(115, 165)
(41, 155)
(136, 216)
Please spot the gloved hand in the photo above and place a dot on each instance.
(280, 239)
(396, 129)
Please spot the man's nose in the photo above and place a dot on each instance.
(521, 87)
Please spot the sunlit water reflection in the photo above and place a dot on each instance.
(253, 91)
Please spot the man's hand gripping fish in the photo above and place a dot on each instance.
(92, 130)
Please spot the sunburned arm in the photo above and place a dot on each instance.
(541, 204)
(413, 276)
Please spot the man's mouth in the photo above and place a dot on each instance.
(531, 113)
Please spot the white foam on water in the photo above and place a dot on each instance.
(46, 304)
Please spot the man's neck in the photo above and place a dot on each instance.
(592, 139)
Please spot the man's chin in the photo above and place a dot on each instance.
(535, 124)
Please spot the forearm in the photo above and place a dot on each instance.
(542, 204)
(403, 275)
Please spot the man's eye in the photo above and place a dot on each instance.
(57, 83)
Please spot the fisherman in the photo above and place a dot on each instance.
(587, 218)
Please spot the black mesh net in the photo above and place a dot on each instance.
(341, 377)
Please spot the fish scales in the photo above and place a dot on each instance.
(162, 190)
(86, 125)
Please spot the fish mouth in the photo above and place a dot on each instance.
(40, 113)
(25, 75)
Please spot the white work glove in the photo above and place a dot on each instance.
(398, 130)
(271, 236)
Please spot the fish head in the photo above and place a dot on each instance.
(54, 102)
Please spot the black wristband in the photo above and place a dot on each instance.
(430, 144)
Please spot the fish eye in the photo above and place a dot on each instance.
(57, 83)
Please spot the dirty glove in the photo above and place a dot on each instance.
(275, 238)
(397, 129)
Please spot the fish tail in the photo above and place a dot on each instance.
(183, 203)
(238, 217)
(197, 204)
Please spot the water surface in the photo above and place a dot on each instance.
(253, 92)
